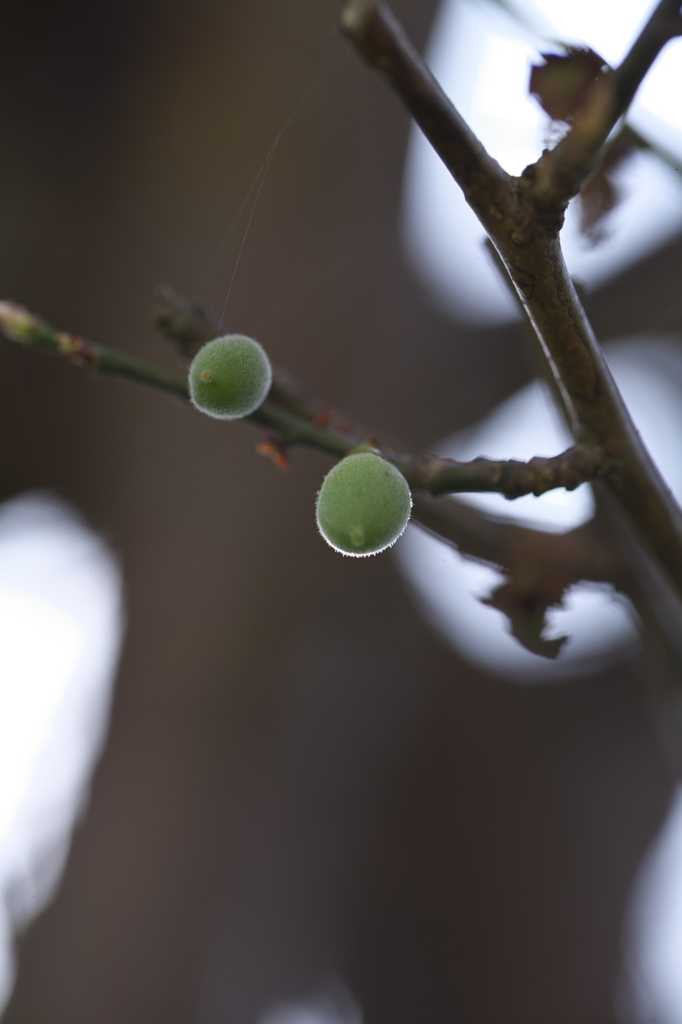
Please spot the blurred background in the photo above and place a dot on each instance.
(305, 806)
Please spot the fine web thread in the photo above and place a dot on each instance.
(265, 167)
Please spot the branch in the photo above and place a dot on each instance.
(507, 477)
(190, 324)
(530, 250)
(664, 24)
(581, 554)
(538, 567)
(30, 330)
(383, 43)
(560, 173)
(425, 472)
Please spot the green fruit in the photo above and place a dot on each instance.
(363, 505)
(230, 377)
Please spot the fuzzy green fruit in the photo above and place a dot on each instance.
(230, 377)
(363, 505)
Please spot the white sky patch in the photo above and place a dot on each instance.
(659, 94)
(332, 1005)
(449, 587)
(40, 650)
(609, 26)
(60, 631)
(482, 58)
(651, 987)
(498, 113)
(601, 626)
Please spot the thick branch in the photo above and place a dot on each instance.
(598, 412)
(383, 43)
(531, 252)
(423, 472)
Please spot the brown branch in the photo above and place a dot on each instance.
(530, 250)
(509, 477)
(592, 397)
(560, 173)
(379, 37)
(664, 24)
(539, 567)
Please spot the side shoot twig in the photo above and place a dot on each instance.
(425, 472)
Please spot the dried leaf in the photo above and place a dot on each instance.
(535, 582)
(602, 194)
(526, 612)
(562, 84)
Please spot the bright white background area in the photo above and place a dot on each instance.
(60, 632)
(651, 986)
(333, 1004)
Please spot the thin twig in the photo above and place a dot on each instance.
(19, 325)
(425, 472)
(190, 324)
(509, 477)
(664, 24)
(561, 172)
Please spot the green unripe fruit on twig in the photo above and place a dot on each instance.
(363, 505)
(230, 377)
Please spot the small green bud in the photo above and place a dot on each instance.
(363, 505)
(230, 377)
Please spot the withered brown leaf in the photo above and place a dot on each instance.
(601, 193)
(562, 84)
(526, 611)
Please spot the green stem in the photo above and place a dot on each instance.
(426, 472)
(30, 330)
